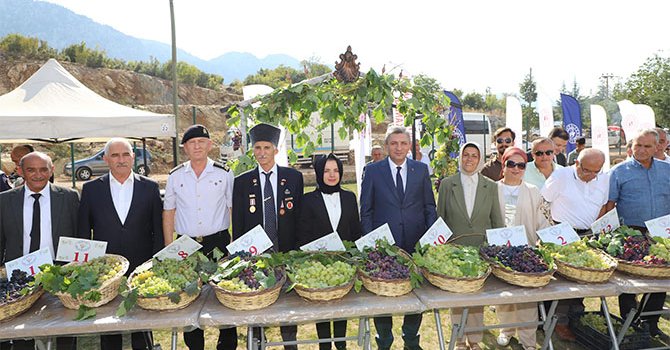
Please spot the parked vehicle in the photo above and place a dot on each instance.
(478, 129)
(95, 165)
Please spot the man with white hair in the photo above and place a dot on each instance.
(577, 195)
(105, 215)
(662, 145)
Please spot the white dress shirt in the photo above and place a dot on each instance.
(45, 219)
(202, 202)
(122, 195)
(334, 208)
(273, 181)
(573, 200)
(403, 172)
(469, 183)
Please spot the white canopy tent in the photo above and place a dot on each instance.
(53, 106)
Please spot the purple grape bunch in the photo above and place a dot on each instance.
(635, 248)
(11, 289)
(383, 266)
(247, 275)
(519, 258)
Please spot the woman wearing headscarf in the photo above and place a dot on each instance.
(468, 203)
(520, 204)
(328, 209)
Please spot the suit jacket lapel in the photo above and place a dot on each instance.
(18, 210)
(459, 197)
(57, 206)
(480, 196)
(138, 186)
(388, 177)
(255, 187)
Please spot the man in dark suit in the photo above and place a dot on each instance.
(269, 195)
(398, 191)
(35, 216)
(123, 209)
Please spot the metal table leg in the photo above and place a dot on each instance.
(367, 345)
(626, 323)
(250, 338)
(457, 330)
(438, 324)
(173, 346)
(361, 331)
(610, 327)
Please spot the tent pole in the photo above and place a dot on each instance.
(194, 114)
(135, 157)
(74, 183)
(175, 91)
(144, 154)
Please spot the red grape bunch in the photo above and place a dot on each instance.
(383, 266)
(519, 258)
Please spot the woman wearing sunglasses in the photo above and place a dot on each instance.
(543, 164)
(520, 204)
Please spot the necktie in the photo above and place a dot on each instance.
(269, 212)
(35, 229)
(398, 184)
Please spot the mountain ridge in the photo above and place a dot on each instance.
(61, 27)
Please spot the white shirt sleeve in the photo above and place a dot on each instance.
(170, 200)
(552, 187)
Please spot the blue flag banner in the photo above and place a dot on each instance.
(572, 120)
(455, 117)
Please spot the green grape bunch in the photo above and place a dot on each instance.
(578, 254)
(451, 260)
(315, 274)
(166, 276)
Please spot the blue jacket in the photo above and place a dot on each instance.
(408, 219)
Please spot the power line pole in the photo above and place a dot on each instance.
(607, 77)
(175, 91)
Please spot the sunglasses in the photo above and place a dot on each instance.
(512, 164)
(505, 140)
(540, 153)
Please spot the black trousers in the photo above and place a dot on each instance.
(195, 339)
(138, 340)
(288, 333)
(339, 331)
(410, 331)
(655, 303)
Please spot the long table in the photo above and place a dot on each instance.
(638, 285)
(48, 318)
(291, 309)
(498, 292)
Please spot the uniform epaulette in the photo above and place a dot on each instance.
(176, 168)
(222, 166)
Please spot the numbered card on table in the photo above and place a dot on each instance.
(256, 241)
(30, 263)
(81, 250)
(509, 236)
(659, 227)
(181, 248)
(369, 240)
(330, 242)
(437, 234)
(607, 223)
(560, 234)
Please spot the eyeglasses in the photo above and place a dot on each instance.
(505, 140)
(541, 153)
(588, 171)
(512, 164)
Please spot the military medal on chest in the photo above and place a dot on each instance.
(252, 203)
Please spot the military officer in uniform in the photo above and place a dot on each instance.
(198, 198)
(269, 195)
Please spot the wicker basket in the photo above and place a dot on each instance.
(384, 287)
(108, 290)
(248, 300)
(586, 274)
(647, 271)
(325, 294)
(16, 307)
(456, 284)
(162, 302)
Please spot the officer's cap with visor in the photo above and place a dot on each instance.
(265, 132)
(193, 131)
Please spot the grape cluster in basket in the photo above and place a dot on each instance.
(451, 260)
(11, 289)
(518, 258)
(166, 276)
(578, 254)
(244, 273)
(631, 245)
(315, 274)
(384, 266)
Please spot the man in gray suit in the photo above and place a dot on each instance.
(35, 216)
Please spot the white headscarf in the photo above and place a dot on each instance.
(480, 165)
